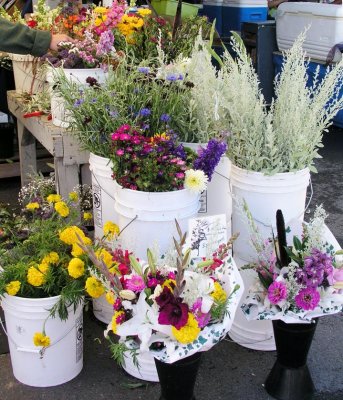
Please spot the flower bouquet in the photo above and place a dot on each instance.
(297, 284)
(173, 307)
(42, 289)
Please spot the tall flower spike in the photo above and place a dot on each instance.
(181, 261)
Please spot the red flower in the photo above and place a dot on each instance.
(175, 314)
(31, 23)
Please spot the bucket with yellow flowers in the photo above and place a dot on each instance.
(42, 288)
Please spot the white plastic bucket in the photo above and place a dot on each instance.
(62, 360)
(257, 335)
(146, 369)
(217, 199)
(264, 195)
(60, 117)
(28, 76)
(149, 217)
(102, 310)
(103, 187)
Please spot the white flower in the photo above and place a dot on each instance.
(195, 180)
(127, 294)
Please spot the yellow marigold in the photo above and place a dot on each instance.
(110, 297)
(106, 256)
(51, 258)
(136, 22)
(111, 229)
(13, 288)
(117, 319)
(144, 12)
(218, 294)
(32, 206)
(189, 332)
(169, 283)
(53, 198)
(62, 209)
(87, 216)
(94, 287)
(73, 196)
(76, 268)
(39, 339)
(114, 269)
(43, 268)
(76, 250)
(68, 235)
(35, 277)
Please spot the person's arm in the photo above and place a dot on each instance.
(20, 39)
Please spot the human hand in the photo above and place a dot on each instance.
(58, 38)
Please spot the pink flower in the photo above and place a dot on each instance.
(202, 318)
(307, 299)
(152, 282)
(179, 175)
(117, 304)
(277, 292)
(135, 283)
(337, 276)
(125, 136)
(115, 136)
(120, 152)
(171, 275)
(175, 314)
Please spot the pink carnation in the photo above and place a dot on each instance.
(135, 283)
(277, 292)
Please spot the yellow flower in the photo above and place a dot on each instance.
(76, 268)
(195, 180)
(218, 294)
(51, 258)
(110, 297)
(32, 206)
(94, 287)
(87, 216)
(106, 256)
(39, 339)
(73, 196)
(189, 332)
(170, 284)
(13, 288)
(53, 198)
(117, 318)
(76, 250)
(111, 229)
(68, 235)
(144, 12)
(43, 268)
(114, 269)
(100, 10)
(35, 277)
(62, 209)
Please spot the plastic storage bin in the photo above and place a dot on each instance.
(325, 22)
(213, 9)
(168, 8)
(236, 12)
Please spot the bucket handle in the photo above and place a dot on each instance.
(96, 179)
(30, 350)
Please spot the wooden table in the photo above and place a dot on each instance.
(68, 158)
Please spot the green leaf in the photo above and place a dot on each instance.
(136, 265)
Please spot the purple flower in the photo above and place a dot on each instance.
(135, 283)
(165, 297)
(202, 318)
(117, 304)
(209, 158)
(165, 118)
(175, 314)
(143, 70)
(145, 112)
(277, 292)
(152, 282)
(307, 298)
(113, 114)
(317, 269)
(172, 77)
(78, 102)
(105, 44)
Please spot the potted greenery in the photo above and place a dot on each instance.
(42, 289)
(171, 308)
(297, 284)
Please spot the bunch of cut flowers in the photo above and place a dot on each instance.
(44, 258)
(160, 163)
(296, 282)
(85, 53)
(172, 307)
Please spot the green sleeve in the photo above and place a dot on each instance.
(20, 39)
